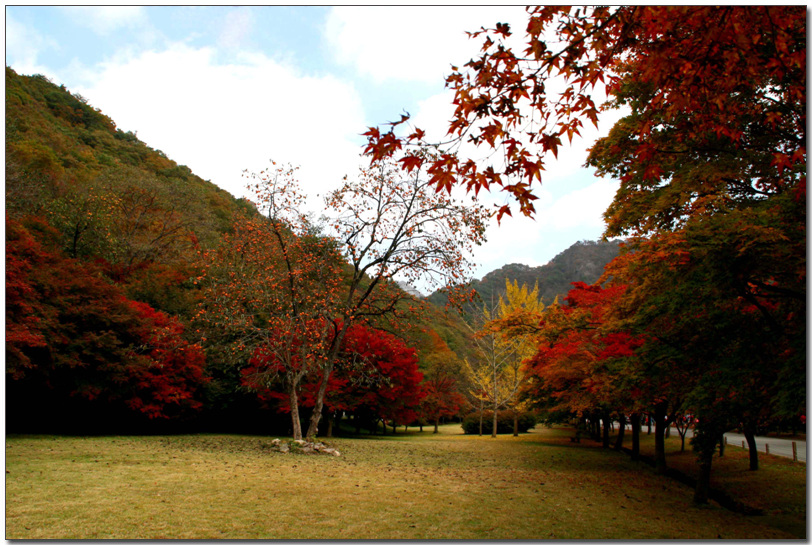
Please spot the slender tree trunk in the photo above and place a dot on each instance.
(330, 418)
(659, 438)
(313, 429)
(394, 428)
(421, 427)
(606, 422)
(750, 436)
(437, 425)
(294, 412)
(635, 436)
(702, 490)
(515, 423)
(621, 431)
(495, 413)
(481, 415)
(705, 446)
(648, 421)
(332, 355)
(721, 445)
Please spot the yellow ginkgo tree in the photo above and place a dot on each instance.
(504, 338)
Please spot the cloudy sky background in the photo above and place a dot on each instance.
(224, 89)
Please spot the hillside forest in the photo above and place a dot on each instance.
(140, 297)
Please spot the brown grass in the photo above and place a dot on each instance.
(408, 486)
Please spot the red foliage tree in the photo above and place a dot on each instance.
(376, 378)
(720, 75)
(584, 365)
(443, 399)
(71, 333)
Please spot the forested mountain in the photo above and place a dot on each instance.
(582, 262)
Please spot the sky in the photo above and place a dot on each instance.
(228, 89)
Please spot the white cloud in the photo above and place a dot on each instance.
(237, 27)
(220, 119)
(23, 47)
(580, 208)
(104, 20)
(410, 43)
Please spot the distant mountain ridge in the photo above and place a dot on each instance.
(582, 262)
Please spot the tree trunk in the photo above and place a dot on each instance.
(648, 421)
(721, 445)
(515, 423)
(495, 413)
(421, 427)
(313, 429)
(606, 422)
(750, 436)
(330, 418)
(481, 417)
(703, 481)
(635, 436)
(394, 428)
(621, 431)
(659, 437)
(437, 425)
(705, 445)
(294, 412)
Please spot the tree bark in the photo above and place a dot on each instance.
(635, 436)
(750, 436)
(437, 425)
(621, 431)
(313, 429)
(481, 418)
(294, 412)
(495, 413)
(606, 423)
(702, 490)
(330, 418)
(659, 437)
(515, 423)
(705, 446)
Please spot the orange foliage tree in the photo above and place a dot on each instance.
(279, 285)
(733, 75)
(272, 290)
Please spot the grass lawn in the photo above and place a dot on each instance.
(407, 486)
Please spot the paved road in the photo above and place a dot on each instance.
(778, 447)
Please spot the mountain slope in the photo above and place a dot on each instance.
(582, 262)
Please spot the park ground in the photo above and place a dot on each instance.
(405, 486)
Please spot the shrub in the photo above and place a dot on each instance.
(504, 424)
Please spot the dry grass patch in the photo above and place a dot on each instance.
(408, 486)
